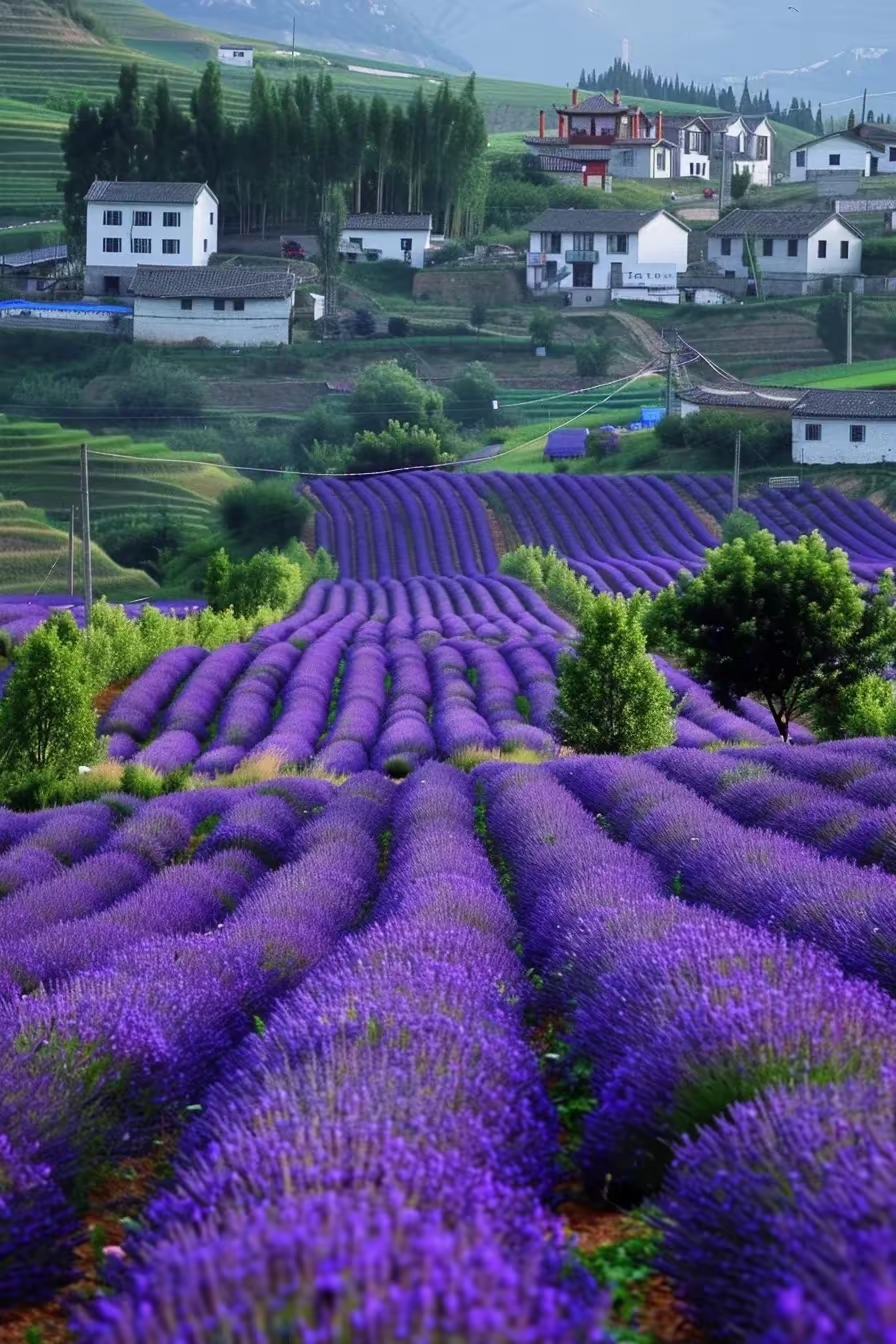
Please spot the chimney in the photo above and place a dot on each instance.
(575, 97)
(615, 97)
(659, 125)
(541, 125)
(561, 131)
(636, 124)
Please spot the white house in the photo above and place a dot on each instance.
(748, 144)
(131, 224)
(785, 244)
(593, 256)
(387, 238)
(243, 56)
(848, 427)
(226, 305)
(868, 149)
(692, 138)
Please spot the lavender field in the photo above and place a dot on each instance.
(390, 1020)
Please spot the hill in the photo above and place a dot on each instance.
(34, 555)
(39, 463)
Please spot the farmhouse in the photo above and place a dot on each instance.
(850, 427)
(174, 223)
(605, 138)
(387, 238)
(785, 244)
(240, 56)
(594, 256)
(868, 149)
(226, 305)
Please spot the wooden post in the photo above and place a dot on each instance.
(85, 536)
(71, 551)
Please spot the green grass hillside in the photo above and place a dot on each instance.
(34, 555)
(40, 463)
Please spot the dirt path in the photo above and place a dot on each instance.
(650, 340)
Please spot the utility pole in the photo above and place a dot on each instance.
(724, 165)
(85, 536)
(669, 383)
(864, 104)
(735, 486)
(849, 327)
(71, 551)
(293, 39)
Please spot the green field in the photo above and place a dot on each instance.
(34, 556)
(867, 373)
(39, 463)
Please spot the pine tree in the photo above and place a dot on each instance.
(851, 120)
(746, 103)
(819, 122)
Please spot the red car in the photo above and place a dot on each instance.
(295, 251)
(709, 193)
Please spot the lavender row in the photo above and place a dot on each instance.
(20, 616)
(728, 1070)
(763, 879)
(91, 1065)
(376, 1164)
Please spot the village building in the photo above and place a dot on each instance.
(33, 270)
(743, 398)
(131, 224)
(595, 256)
(855, 426)
(239, 55)
(867, 150)
(387, 238)
(784, 245)
(223, 305)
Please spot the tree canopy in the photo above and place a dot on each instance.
(398, 445)
(387, 392)
(783, 620)
(47, 721)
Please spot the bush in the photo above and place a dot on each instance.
(711, 434)
(47, 721)
(47, 395)
(740, 183)
(472, 394)
(478, 316)
(739, 523)
(592, 358)
(157, 391)
(364, 323)
(269, 579)
(327, 424)
(551, 576)
(141, 540)
(399, 326)
(269, 513)
(542, 327)
(398, 446)
(387, 393)
(831, 323)
(867, 709)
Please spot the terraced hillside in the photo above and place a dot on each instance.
(39, 463)
(30, 157)
(34, 555)
(756, 339)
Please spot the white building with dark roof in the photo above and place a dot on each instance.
(387, 238)
(225, 305)
(785, 244)
(131, 224)
(852, 426)
(867, 150)
(594, 256)
(239, 55)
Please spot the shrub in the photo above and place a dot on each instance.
(155, 390)
(399, 326)
(542, 327)
(364, 323)
(472, 394)
(399, 445)
(269, 513)
(739, 523)
(47, 722)
(388, 393)
(592, 358)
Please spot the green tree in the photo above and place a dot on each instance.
(270, 513)
(478, 316)
(364, 322)
(268, 579)
(781, 620)
(325, 424)
(330, 228)
(830, 324)
(155, 391)
(592, 358)
(739, 523)
(740, 183)
(386, 392)
(472, 395)
(47, 721)
(610, 695)
(865, 709)
(399, 445)
(541, 328)
(217, 580)
(398, 326)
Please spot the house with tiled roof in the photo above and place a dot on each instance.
(131, 224)
(745, 144)
(606, 137)
(852, 426)
(868, 150)
(387, 238)
(593, 257)
(785, 244)
(222, 305)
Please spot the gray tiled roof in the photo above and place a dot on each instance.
(598, 102)
(826, 403)
(594, 221)
(148, 193)
(774, 223)
(211, 282)
(559, 163)
(37, 256)
(744, 397)
(382, 223)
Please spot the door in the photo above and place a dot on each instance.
(582, 275)
(550, 272)
(111, 284)
(873, 166)
(615, 274)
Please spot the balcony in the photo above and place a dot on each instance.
(586, 257)
(536, 258)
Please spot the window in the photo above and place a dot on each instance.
(793, 247)
(205, 244)
(171, 246)
(801, 158)
(844, 251)
(726, 247)
(583, 242)
(729, 275)
(407, 244)
(628, 158)
(142, 219)
(359, 242)
(813, 433)
(211, 217)
(762, 146)
(555, 242)
(112, 218)
(239, 305)
(768, 247)
(111, 244)
(833, 160)
(822, 247)
(893, 153)
(143, 245)
(186, 304)
(219, 305)
(171, 219)
(617, 242)
(661, 160)
(857, 433)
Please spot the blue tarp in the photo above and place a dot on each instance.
(120, 309)
(652, 415)
(566, 443)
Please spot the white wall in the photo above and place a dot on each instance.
(388, 243)
(659, 252)
(663, 240)
(854, 157)
(235, 56)
(835, 446)
(806, 261)
(643, 164)
(192, 232)
(263, 322)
